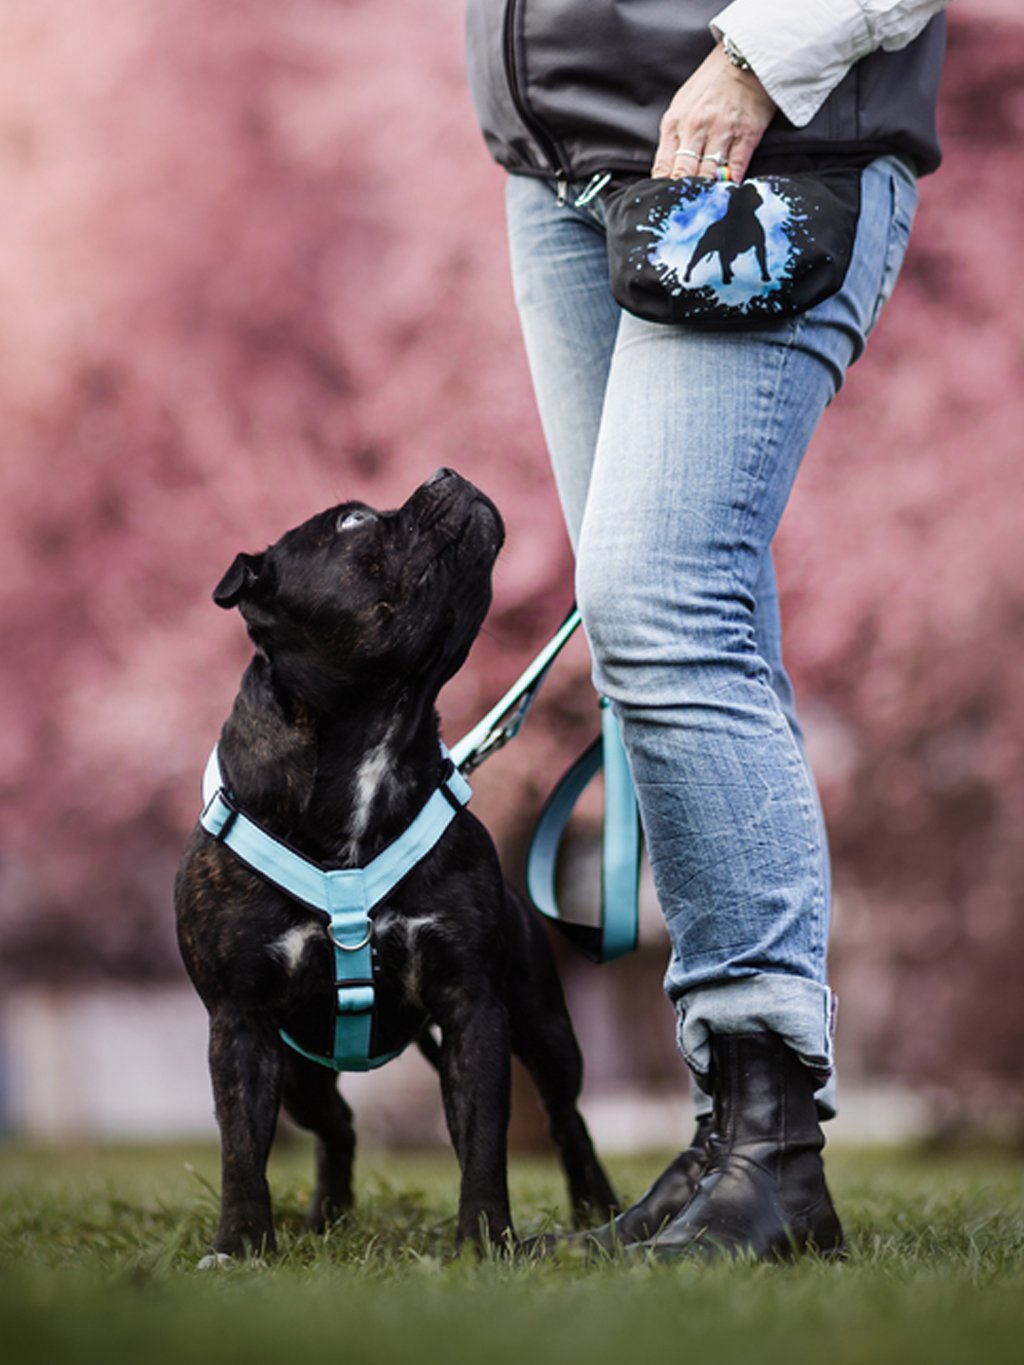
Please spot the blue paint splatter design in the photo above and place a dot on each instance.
(681, 233)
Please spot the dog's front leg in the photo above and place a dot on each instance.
(245, 1067)
(310, 1096)
(475, 1085)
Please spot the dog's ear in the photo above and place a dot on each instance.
(239, 580)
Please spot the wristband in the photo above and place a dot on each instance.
(734, 54)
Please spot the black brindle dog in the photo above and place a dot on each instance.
(358, 617)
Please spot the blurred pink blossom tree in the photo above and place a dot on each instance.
(252, 263)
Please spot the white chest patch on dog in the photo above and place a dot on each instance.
(372, 777)
(411, 977)
(288, 949)
(409, 929)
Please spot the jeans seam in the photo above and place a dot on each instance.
(895, 244)
(769, 391)
(797, 769)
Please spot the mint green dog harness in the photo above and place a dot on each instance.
(346, 897)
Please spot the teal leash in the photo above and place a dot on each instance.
(616, 931)
(504, 720)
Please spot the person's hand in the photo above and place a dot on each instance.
(716, 119)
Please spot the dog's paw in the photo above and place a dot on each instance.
(216, 1260)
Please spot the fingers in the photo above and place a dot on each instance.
(679, 162)
(741, 150)
(714, 123)
(714, 165)
(672, 152)
(689, 158)
(693, 160)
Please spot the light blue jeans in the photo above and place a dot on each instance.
(674, 452)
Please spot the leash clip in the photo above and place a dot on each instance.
(592, 189)
(503, 721)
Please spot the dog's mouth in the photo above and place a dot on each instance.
(456, 525)
(484, 521)
(446, 495)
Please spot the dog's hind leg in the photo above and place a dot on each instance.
(548, 1049)
(310, 1096)
(544, 1041)
(245, 1068)
(698, 256)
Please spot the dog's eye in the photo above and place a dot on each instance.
(347, 520)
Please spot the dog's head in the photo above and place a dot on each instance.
(356, 597)
(746, 198)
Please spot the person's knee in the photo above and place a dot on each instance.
(655, 634)
(621, 611)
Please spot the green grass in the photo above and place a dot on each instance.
(98, 1251)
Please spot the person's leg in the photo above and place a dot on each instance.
(569, 321)
(700, 440)
(701, 437)
(768, 637)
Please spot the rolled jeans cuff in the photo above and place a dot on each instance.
(799, 1011)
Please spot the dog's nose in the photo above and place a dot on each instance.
(440, 474)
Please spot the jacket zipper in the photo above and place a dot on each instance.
(544, 139)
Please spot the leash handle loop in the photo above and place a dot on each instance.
(616, 932)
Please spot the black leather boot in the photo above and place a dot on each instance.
(672, 1190)
(763, 1191)
(669, 1194)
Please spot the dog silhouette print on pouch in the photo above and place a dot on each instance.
(736, 232)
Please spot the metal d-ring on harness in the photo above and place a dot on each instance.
(346, 897)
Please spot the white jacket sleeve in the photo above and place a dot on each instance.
(801, 49)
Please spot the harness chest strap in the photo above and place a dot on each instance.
(346, 896)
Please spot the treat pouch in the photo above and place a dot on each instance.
(721, 255)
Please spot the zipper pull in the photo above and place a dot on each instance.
(592, 189)
(563, 189)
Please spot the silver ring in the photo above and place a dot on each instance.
(686, 151)
(719, 158)
(350, 947)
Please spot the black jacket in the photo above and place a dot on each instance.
(576, 87)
